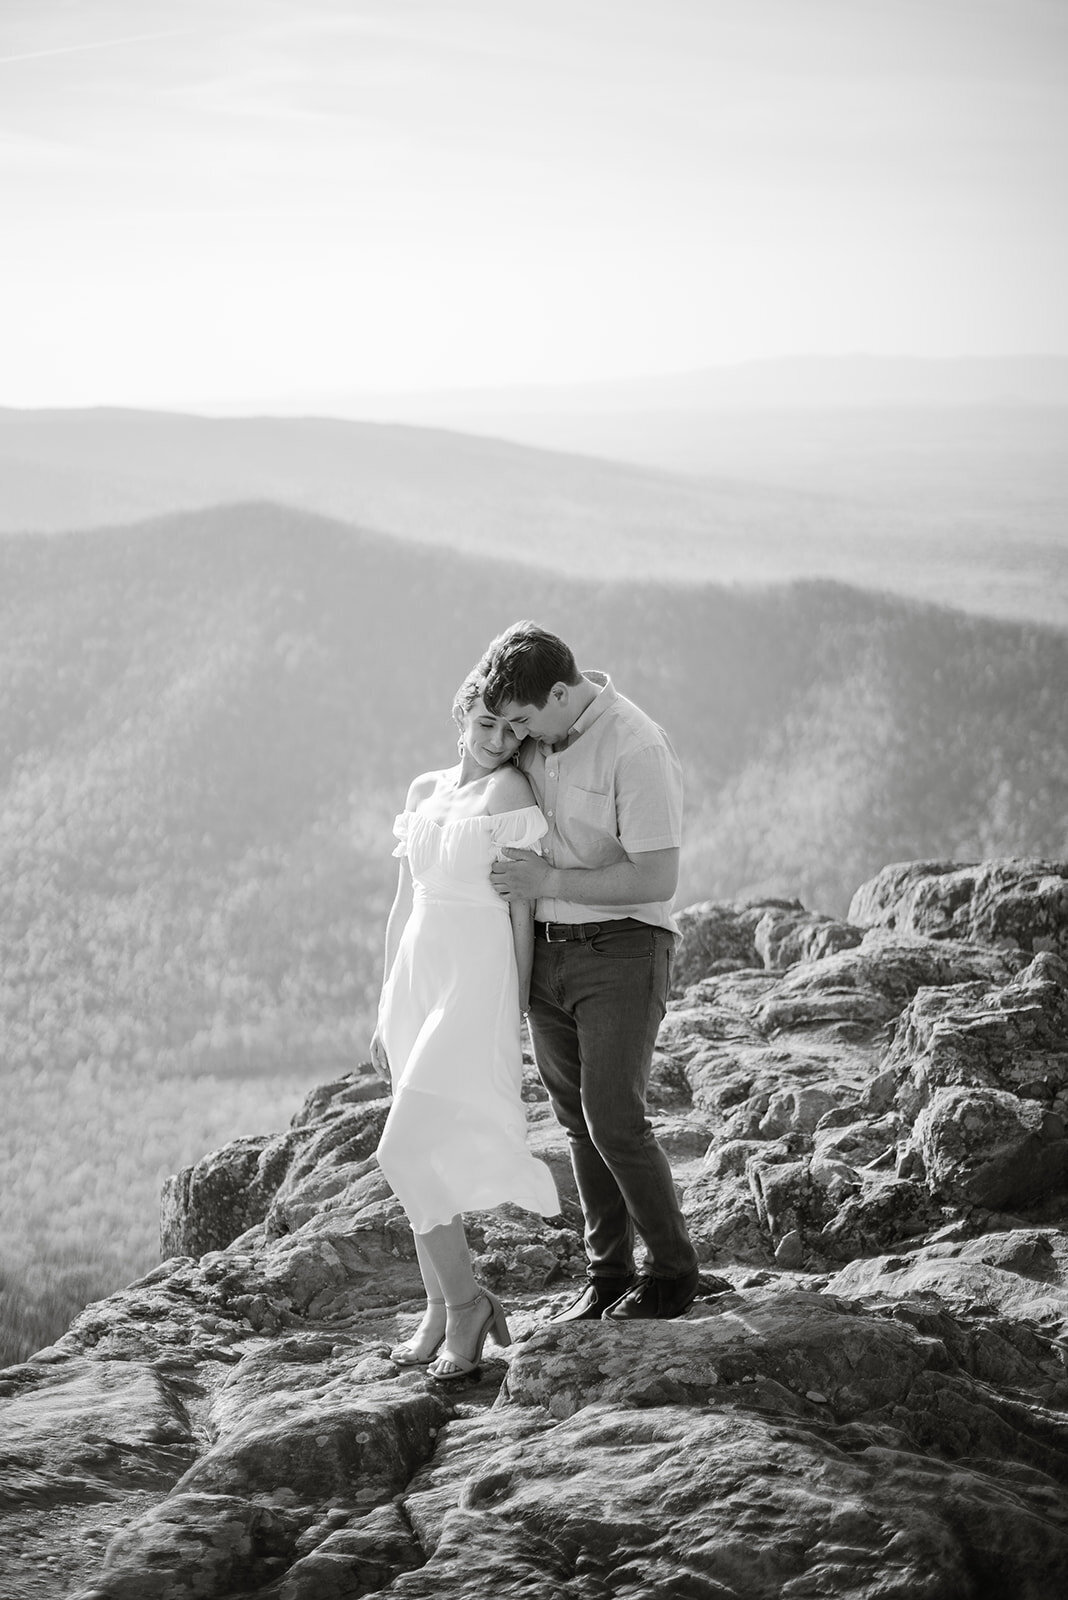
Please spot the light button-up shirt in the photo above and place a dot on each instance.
(614, 790)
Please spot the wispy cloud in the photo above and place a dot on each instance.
(96, 44)
(396, 193)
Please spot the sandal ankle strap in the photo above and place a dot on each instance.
(463, 1305)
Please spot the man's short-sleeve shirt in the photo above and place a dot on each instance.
(616, 789)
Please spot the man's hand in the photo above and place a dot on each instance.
(520, 876)
(379, 1059)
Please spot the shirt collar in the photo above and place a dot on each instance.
(606, 694)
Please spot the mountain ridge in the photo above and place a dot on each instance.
(815, 380)
(976, 524)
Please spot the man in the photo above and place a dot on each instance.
(610, 786)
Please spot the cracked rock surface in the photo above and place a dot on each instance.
(866, 1121)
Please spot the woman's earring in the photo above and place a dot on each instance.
(460, 745)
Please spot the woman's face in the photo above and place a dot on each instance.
(488, 739)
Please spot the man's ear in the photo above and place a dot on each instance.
(559, 692)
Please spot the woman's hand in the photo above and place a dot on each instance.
(379, 1059)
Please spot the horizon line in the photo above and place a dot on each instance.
(297, 402)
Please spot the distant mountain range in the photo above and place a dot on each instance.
(967, 506)
(977, 444)
(814, 382)
(208, 721)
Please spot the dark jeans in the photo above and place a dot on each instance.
(596, 1004)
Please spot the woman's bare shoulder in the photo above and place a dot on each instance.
(509, 791)
(421, 789)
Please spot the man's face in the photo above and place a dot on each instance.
(549, 722)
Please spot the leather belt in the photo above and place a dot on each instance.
(558, 932)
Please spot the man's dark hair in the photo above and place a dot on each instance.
(522, 664)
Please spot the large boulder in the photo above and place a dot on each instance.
(1021, 904)
(776, 1443)
(1011, 1036)
(716, 937)
(89, 1428)
(990, 1148)
(1017, 1278)
(209, 1205)
(811, 1082)
(715, 1501)
(783, 937)
(772, 934)
(861, 989)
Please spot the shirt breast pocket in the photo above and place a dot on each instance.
(588, 820)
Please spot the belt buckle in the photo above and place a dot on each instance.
(560, 938)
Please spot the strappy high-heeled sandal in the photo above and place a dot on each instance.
(406, 1354)
(449, 1364)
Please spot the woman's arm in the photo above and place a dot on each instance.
(398, 916)
(400, 910)
(509, 790)
(521, 913)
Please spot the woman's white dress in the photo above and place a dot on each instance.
(455, 1138)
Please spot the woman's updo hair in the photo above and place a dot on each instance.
(468, 692)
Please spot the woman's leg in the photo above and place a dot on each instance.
(431, 1281)
(469, 1307)
(449, 1260)
(431, 1330)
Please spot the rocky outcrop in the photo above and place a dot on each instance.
(757, 933)
(207, 1206)
(1012, 904)
(868, 1399)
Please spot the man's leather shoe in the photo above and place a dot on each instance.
(595, 1299)
(657, 1298)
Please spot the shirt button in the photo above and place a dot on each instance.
(548, 813)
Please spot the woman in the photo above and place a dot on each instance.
(457, 979)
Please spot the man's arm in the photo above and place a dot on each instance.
(645, 876)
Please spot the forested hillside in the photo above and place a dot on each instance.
(208, 722)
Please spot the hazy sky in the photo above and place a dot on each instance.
(240, 198)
